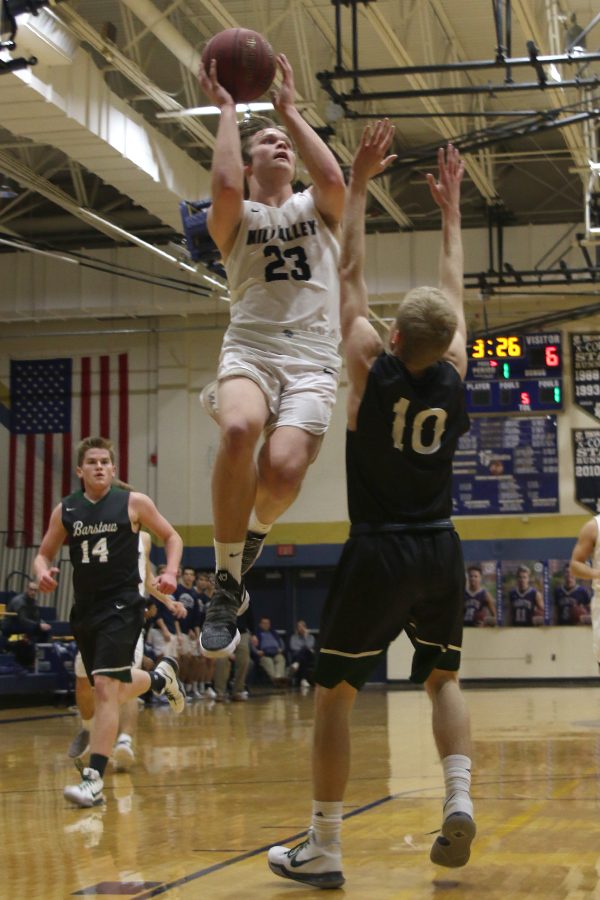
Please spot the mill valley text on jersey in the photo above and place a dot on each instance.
(281, 233)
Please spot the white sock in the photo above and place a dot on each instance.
(258, 527)
(87, 723)
(457, 775)
(229, 557)
(124, 737)
(327, 821)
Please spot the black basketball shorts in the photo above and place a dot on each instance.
(106, 630)
(387, 582)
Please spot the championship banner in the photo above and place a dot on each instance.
(585, 372)
(586, 466)
(506, 465)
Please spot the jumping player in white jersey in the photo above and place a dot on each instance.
(279, 363)
(588, 548)
(406, 412)
(103, 522)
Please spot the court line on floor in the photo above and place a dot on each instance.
(186, 879)
(37, 718)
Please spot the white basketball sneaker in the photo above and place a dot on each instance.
(309, 863)
(123, 755)
(173, 689)
(88, 792)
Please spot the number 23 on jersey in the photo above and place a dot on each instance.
(278, 269)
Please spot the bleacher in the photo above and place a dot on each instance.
(53, 675)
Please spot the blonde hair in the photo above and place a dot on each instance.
(94, 443)
(427, 323)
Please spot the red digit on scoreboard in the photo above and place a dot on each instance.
(551, 355)
(525, 398)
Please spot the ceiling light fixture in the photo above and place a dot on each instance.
(554, 73)
(213, 110)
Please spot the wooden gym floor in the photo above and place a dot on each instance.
(214, 787)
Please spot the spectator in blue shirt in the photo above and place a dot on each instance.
(269, 649)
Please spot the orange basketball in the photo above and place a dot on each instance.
(245, 62)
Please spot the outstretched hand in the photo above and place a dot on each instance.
(370, 158)
(446, 190)
(285, 95)
(209, 83)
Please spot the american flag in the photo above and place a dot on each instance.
(54, 403)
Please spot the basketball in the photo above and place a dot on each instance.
(245, 62)
(580, 615)
(481, 616)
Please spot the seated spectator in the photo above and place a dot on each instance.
(269, 649)
(159, 643)
(241, 662)
(28, 615)
(27, 621)
(205, 585)
(302, 650)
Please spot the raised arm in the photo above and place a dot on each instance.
(584, 550)
(227, 168)
(446, 193)
(52, 541)
(361, 341)
(328, 181)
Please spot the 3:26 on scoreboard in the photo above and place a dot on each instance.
(515, 373)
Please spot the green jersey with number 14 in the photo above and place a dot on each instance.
(103, 547)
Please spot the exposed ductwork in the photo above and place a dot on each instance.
(72, 108)
(167, 34)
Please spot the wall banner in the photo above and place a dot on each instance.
(506, 465)
(586, 465)
(585, 372)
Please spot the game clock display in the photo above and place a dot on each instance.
(514, 373)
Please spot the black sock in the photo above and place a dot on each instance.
(157, 681)
(99, 763)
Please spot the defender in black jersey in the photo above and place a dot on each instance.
(103, 523)
(406, 412)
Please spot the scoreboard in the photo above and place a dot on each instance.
(514, 373)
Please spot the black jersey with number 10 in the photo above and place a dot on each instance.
(399, 459)
(103, 547)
